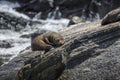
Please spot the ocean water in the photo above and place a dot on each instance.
(54, 22)
(13, 37)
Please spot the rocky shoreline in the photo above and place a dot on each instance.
(68, 8)
(91, 52)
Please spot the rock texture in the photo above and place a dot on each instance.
(112, 17)
(5, 44)
(95, 55)
(91, 52)
(68, 8)
(15, 22)
(9, 21)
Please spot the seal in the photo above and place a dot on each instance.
(47, 41)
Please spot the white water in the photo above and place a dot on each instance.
(54, 22)
(55, 14)
(18, 43)
(53, 25)
(9, 4)
(8, 7)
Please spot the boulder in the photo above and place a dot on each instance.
(68, 8)
(76, 20)
(5, 44)
(111, 17)
(12, 22)
(91, 52)
(31, 8)
(95, 55)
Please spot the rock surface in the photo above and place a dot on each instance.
(112, 16)
(6, 43)
(94, 56)
(9, 21)
(91, 52)
(69, 8)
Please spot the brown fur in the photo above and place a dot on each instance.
(47, 41)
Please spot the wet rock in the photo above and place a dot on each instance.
(49, 66)
(1, 62)
(91, 52)
(33, 7)
(24, 1)
(29, 64)
(4, 58)
(25, 36)
(43, 6)
(12, 22)
(67, 2)
(20, 1)
(95, 55)
(76, 20)
(5, 44)
(68, 8)
(111, 17)
(9, 71)
(105, 6)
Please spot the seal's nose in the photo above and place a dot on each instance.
(61, 42)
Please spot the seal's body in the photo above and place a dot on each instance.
(47, 41)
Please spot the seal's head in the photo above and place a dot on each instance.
(56, 39)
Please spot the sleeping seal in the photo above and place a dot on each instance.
(47, 41)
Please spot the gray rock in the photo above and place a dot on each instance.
(68, 8)
(12, 22)
(6, 44)
(76, 20)
(91, 52)
(95, 55)
(111, 17)
(10, 70)
(1, 62)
